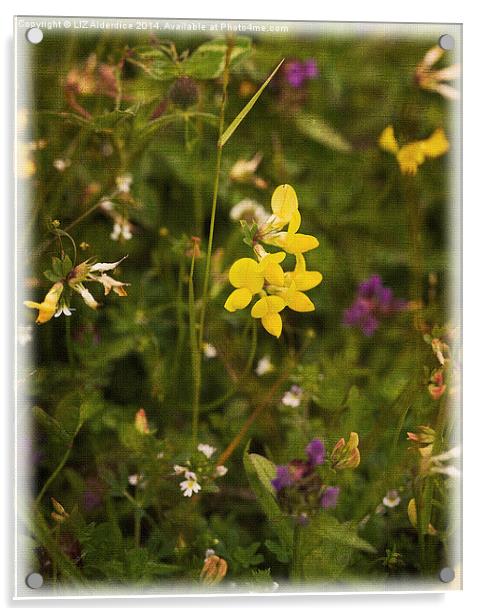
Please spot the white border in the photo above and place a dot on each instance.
(461, 11)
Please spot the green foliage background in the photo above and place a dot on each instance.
(133, 352)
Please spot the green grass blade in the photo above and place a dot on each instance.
(246, 109)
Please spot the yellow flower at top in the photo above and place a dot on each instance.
(412, 155)
(265, 276)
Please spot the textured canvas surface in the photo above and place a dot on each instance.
(238, 328)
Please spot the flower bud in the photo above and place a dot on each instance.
(59, 514)
(141, 422)
(424, 435)
(214, 570)
(184, 92)
(412, 516)
(346, 455)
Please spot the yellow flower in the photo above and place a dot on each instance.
(271, 268)
(387, 141)
(291, 241)
(412, 155)
(296, 300)
(284, 204)
(48, 307)
(246, 275)
(267, 309)
(303, 279)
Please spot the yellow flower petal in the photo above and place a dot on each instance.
(246, 273)
(295, 222)
(295, 243)
(274, 274)
(272, 323)
(238, 299)
(298, 301)
(260, 309)
(387, 141)
(284, 202)
(48, 307)
(265, 305)
(410, 156)
(436, 145)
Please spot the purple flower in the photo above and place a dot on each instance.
(297, 72)
(315, 452)
(330, 497)
(311, 69)
(283, 478)
(372, 301)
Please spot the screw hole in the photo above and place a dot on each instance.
(34, 35)
(446, 42)
(447, 574)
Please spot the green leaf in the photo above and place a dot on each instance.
(157, 63)
(326, 547)
(207, 61)
(247, 557)
(66, 265)
(49, 274)
(260, 472)
(280, 551)
(246, 109)
(317, 129)
(52, 427)
(57, 268)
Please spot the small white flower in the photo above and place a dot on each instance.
(221, 471)
(61, 164)
(207, 450)
(250, 211)
(447, 455)
(450, 471)
(64, 309)
(293, 397)
(391, 499)
(124, 182)
(209, 552)
(180, 470)
(189, 487)
(190, 475)
(264, 366)
(105, 267)
(160, 455)
(24, 334)
(209, 350)
(135, 479)
(122, 229)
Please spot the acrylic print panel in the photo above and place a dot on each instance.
(237, 307)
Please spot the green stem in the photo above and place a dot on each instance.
(141, 510)
(68, 342)
(195, 352)
(214, 204)
(57, 469)
(249, 363)
(296, 564)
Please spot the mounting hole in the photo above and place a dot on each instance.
(34, 36)
(447, 42)
(34, 581)
(447, 574)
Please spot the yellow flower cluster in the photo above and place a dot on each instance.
(264, 275)
(412, 155)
